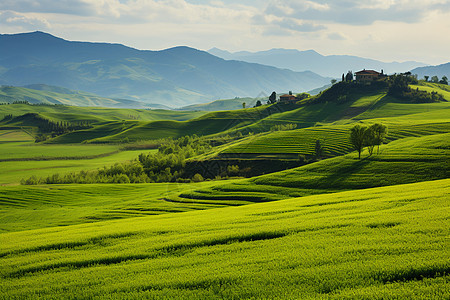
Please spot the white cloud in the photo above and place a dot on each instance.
(26, 22)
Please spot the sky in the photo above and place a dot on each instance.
(387, 30)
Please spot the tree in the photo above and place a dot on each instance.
(243, 105)
(333, 81)
(358, 137)
(273, 98)
(435, 79)
(426, 78)
(343, 77)
(444, 80)
(318, 149)
(349, 76)
(369, 140)
(258, 103)
(379, 133)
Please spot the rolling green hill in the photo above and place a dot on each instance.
(96, 114)
(381, 243)
(405, 160)
(227, 104)
(43, 94)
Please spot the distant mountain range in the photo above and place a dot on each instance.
(440, 70)
(46, 94)
(174, 77)
(330, 65)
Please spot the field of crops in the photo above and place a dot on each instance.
(21, 157)
(389, 242)
(406, 160)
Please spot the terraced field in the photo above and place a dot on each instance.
(406, 160)
(381, 243)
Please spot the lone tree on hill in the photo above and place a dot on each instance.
(426, 78)
(358, 138)
(444, 80)
(318, 149)
(435, 79)
(258, 103)
(273, 98)
(379, 133)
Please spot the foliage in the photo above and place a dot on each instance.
(283, 127)
(399, 86)
(273, 98)
(318, 149)
(358, 138)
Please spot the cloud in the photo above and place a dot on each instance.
(10, 18)
(295, 25)
(75, 7)
(336, 36)
(356, 12)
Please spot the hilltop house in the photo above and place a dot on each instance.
(288, 98)
(367, 76)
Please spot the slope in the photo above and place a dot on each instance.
(378, 243)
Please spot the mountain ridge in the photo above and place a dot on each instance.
(176, 76)
(325, 65)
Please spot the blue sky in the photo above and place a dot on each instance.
(388, 30)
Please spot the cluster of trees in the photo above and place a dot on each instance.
(399, 87)
(435, 79)
(166, 165)
(362, 136)
(283, 127)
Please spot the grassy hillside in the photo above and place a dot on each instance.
(442, 89)
(381, 243)
(96, 114)
(227, 104)
(49, 95)
(32, 207)
(406, 160)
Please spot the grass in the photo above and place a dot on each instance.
(407, 160)
(32, 207)
(388, 242)
(96, 114)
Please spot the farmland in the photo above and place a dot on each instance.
(331, 227)
(377, 243)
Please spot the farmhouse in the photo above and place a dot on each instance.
(287, 98)
(367, 76)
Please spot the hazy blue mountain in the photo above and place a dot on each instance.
(175, 77)
(439, 70)
(331, 65)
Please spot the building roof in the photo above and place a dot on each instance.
(287, 95)
(368, 72)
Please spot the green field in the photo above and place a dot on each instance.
(330, 227)
(373, 244)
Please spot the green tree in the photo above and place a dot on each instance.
(435, 79)
(258, 103)
(273, 97)
(426, 77)
(333, 81)
(379, 133)
(243, 105)
(358, 138)
(349, 76)
(444, 80)
(318, 149)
